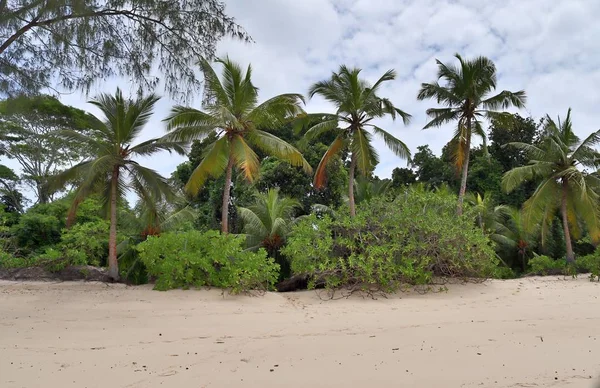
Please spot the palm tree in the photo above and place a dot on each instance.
(559, 161)
(488, 214)
(357, 104)
(268, 222)
(240, 123)
(111, 171)
(465, 96)
(514, 234)
(367, 189)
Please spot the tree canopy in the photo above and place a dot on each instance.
(66, 44)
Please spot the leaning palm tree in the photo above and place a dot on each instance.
(232, 112)
(466, 98)
(559, 162)
(112, 171)
(357, 104)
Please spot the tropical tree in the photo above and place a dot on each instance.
(560, 161)
(514, 235)
(465, 95)
(357, 105)
(112, 171)
(74, 44)
(241, 125)
(367, 189)
(268, 222)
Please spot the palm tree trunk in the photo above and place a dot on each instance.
(565, 220)
(113, 264)
(351, 186)
(465, 171)
(226, 195)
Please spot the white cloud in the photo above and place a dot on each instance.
(549, 48)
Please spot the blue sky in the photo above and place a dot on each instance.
(549, 48)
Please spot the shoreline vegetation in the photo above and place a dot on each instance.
(528, 203)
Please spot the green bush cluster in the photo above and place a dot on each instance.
(544, 265)
(196, 259)
(412, 239)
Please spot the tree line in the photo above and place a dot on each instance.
(530, 178)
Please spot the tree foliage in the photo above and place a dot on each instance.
(28, 134)
(68, 44)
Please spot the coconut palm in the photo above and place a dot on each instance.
(268, 222)
(559, 161)
(241, 125)
(487, 213)
(513, 234)
(367, 189)
(112, 171)
(152, 219)
(357, 104)
(466, 98)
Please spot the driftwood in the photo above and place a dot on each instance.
(70, 273)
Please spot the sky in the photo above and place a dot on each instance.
(549, 48)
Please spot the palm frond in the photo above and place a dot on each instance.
(364, 152)
(245, 158)
(332, 151)
(395, 145)
(279, 148)
(213, 165)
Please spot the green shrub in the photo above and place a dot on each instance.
(590, 264)
(411, 239)
(544, 265)
(7, 260)
(35, 230)
(86, 242)
(196, 259)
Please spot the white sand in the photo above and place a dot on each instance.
(520, 333)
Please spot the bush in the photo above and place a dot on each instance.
(86, 242)
(411, 239)
(8, 260)
(196, 259)
(544, 265)
(35, 230)
(590, 264)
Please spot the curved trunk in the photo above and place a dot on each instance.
(465, 171)
(113, 264)
(226, 195)
(351, 186)
(565, 221)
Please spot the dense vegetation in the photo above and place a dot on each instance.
(524, 201)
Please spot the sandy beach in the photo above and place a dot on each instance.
(535, 332)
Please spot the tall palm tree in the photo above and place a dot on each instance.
(240, 123)
(466, 98)
(559, 161)
(357, 104)
(112, 171)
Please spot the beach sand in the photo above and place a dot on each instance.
(534, 332)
